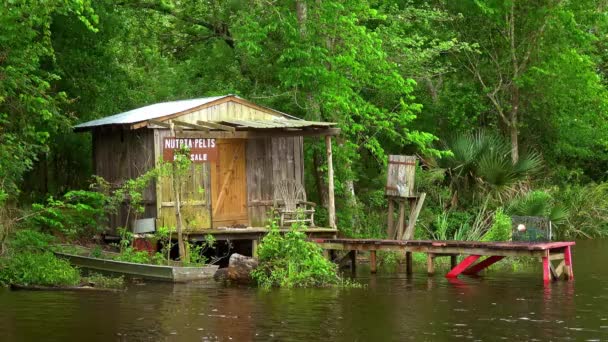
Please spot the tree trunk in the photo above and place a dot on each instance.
(178, 214)
(301, 12)
(514, 142)
(175, 176)
(513, 129)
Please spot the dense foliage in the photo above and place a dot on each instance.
(499, 98)
(290, 260)
(29, 260)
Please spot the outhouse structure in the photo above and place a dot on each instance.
(240, 151)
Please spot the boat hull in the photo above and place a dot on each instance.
(177, 274)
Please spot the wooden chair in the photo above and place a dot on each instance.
(291, 205)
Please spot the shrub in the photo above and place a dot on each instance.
(129, 254)
(43, 269)
(500, 229)
(27, 240)
(291, 261)
(77, 213)
(587, 211)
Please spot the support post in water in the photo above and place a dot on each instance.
(546, 269)
(353, 260)
(254, 248)
(568, 261)
(430, 263)
(408, 262)
(372, 261)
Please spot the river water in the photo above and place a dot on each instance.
(506, 304)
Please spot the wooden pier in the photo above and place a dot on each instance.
(492, 252)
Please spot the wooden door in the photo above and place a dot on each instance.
(229, 184)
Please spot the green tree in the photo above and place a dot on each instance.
(29, 106)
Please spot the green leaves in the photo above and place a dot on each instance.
(480, 162)
(29, 108)
(43, 269)
(290, 261)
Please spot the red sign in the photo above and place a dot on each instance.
(202, 150)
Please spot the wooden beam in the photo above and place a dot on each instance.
(187, 111)
(280, 132)
(330, 185)
(259, 134)
(401, 222)
(390, 232)
(464, 264)
(216, 125)
(487, 262)
(411, 225)
(190, 125)
(159, 123)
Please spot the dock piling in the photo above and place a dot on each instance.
(372, 261)
(430, 263)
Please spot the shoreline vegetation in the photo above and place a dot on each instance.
(506, 117)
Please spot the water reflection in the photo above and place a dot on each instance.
(503, 304)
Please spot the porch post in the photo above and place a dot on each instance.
(330, 190)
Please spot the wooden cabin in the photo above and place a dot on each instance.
(240, 151)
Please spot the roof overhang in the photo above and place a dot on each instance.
(140, 117)
(249, 128)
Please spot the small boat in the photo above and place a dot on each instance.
(176, 274)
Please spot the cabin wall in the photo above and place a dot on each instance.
(270, 160)
(227, 111)
(120, 155)
(195, 196)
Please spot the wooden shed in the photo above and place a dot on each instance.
(240, 151)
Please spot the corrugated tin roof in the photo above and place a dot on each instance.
(276, 123)
(149, 112)
(165, 109)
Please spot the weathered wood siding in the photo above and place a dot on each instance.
(121, 155)
(270, 160)
(227, 111)
(196, 204)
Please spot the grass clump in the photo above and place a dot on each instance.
(29, 260)
(500, 229)
(290, 260)
(43, 269)
(101, 281)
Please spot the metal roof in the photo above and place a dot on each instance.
(160, 110)
(150, 112)
(276, 123)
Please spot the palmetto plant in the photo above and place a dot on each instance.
(538, 203)
(480, 164)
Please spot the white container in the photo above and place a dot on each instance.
(146, 225)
